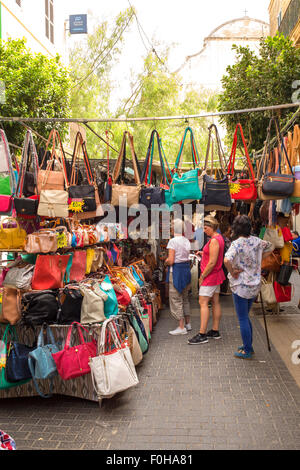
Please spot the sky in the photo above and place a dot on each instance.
(182, 24)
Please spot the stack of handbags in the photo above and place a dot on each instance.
(7, 177)
(273, 184)
(216, 194)
(112, 369)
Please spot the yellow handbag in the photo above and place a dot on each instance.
(286, 252)
(12, 238)
(90, 253)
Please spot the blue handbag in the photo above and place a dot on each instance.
(111, 306)
(136, 276)
(17, 368)
(187, 186)
(41, 363)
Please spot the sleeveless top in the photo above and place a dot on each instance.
(217, 276)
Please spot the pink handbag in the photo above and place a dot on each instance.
(78, 268)
(73, 362)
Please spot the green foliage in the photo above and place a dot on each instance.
(257, 81)
(35, 86)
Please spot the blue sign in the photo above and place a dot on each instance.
(78, 24)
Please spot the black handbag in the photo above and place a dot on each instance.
(25, 201)
(70, 306)
(84, 193)
(17, 368)
(284, 274)
(216, 193)
(40, 307)
(274, 183)
(152, 194)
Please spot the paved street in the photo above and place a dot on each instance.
(189, 397)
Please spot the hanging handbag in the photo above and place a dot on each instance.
(40, 307)
(111, 303)
(72, 362)
(17, 368)
(71, 302)
(216, 194)
(275, 184)
(10, 332)
(49, 272)
(267, 290)
(241, 189)
(92, 308)
(151, 194)
(285, 273)
(78, 268)
(97, 260)
(271, 263)
(108, 184)
(26, 201)
(53, 203)
(41, 363)
(11, 306)
(274, 235)
(19, 277)
(123, 194)
(134, 346)
(11, 237)
(51, 178)
(295, 163)
(188, 185)
(7, 177)
(112, 371)
(282, 293)
(44, 241)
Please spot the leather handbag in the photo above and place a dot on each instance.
(267, 290)
(11, 306)
(112, 371)
(284, 274)
(11, 238)
(241, 189)
(152, 194)
(71, 302)
(97, 260)
(282, 293)
(19, 277)
(273, 234)
(53, 203)
(39, 307)
(123, 194)
(7, 177)
(92, 308)
(294, 156)
(17, 368)
(49, 272)
(41, 363)
(72, 362)
(272, 262)
(9, 335)
(134, 346)
(111, 306)
(26, 200)
(188, 185)
(52, 178)
(216, 194)
(44, 241)
(78, 268)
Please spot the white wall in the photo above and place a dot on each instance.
(29, 21)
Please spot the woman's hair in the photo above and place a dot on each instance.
(179, 227)
(241, 227)
(211, 222)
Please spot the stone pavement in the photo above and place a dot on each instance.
(188, 398)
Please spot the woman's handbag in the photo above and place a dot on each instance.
(285, 273)
(4, 348)
(92, 308)
(19, 277)
(40, 307)
(71, 302)
(50, 178)
(112, 371)
(108, 184)
(7, 177)
(134, 346)
(282, 293)
(123, 194)
(53, 204)
(72, 362)
(267, 290)
(49, 272)
(294, 156)
(17, 368)
(44, 241)
(11, 306)
(188, 186)
(111, 303)
(274, 235)
(216, 194)
(41, 363)
(78, 268)
(272, 262)
(11, 238)
(26, 201)
(241, 189)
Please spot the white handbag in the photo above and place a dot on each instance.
(267, 290)
(112, 372)
(53, 203)
(92, 307)
(274, 235)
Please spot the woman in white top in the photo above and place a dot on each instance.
(179, 278)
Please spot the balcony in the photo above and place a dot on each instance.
(290, 19)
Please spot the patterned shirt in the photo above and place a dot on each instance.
(246, 254)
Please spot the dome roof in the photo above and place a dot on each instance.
(245, 28)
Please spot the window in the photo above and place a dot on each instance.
(49, 20)
(279, 19)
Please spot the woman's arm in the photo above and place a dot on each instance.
(233, 271)
(171, 257)
(214, 249)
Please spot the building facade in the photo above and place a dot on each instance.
(40, 22)
(285, 19)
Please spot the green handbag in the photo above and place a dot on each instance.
(188, 186)
(4, 346)
(5, 189)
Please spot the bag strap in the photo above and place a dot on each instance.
(54, 137)
(195, 155)
(121, 157)
(10, 170)
(146, 176)
(79, 142)
(281, 144)
(230, 171)
(77, 325)
(28, 146)
(221, 155)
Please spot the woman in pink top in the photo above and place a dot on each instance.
(212, 276)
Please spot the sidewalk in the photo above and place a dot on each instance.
(188, 398)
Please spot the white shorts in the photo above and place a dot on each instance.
(209, 291)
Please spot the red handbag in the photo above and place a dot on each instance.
(73, 361)
(241, 189)
(282, 293)
(49, 272)
(78, 268)
(122, 295)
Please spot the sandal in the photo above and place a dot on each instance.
(242, 348)
(243, 355)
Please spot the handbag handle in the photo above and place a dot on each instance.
(79, 142)
(70, 330)
(195, 155)
(61, 159)
(12, 177)
(146, 176)
(27, 146)
(281, 145)
(121, 156)
(221, 155)
(230, 170)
